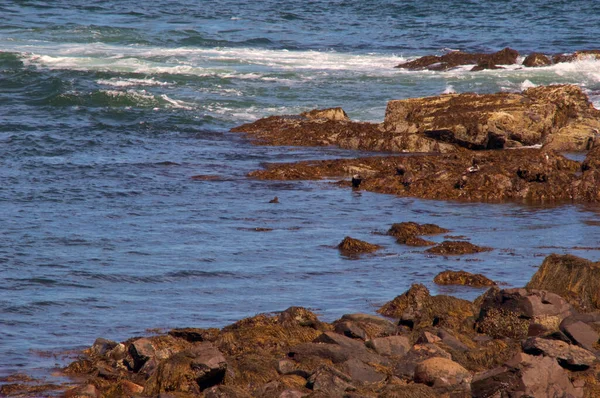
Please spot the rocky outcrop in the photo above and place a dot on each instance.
(493, 121)
(530, 175)
(352, 247)
(453, 59)
(462, 278)
(575, 278)
(577, 56)
(535, 60)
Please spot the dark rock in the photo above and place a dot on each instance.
(336, 114)
(225, 392)
(350, 246)
(451, 341)
(351, 329)
(408, 233)
(462, 278)
(102, 346)
(330, 380)
(451, 247)
(192, 335)
(569, 356)
(141, 350)
(331, 352)
(361, 372)
(485, 64)
(576, 56)
(391, 345)
(299, 316)
(274, 200)
(427, 337)
(573, 278)
(355, 349)
(525, 375)
(536, 60)
(86, 391)
(453, 59)
(189, 371)
(364, 326)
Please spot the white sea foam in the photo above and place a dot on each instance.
(527, 84)
(177, 103)
(449, 89)
(116, 82)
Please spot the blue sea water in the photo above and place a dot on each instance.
(108, 109)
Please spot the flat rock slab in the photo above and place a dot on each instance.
(568, 356)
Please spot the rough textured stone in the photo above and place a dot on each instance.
(510, 312)
(574, 278)
(330, 380)
(525, 375)
(350, 246)
(462, 278)
(189, 371)
(405, 368)
(141, 351)
(442, 372)
(408, 233)
(361, 372)
(391, 345)
(449, 247)
(335, 114)
(536, 60)
(568, 356)
(453, 59)
(581, 333)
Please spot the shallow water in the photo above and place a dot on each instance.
(104, 121)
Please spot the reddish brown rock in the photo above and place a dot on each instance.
(449, 247)
(351, 247)
(462, 278)
(580, 333)
(534, 60)
(574, 278)
(407, 233)
(568, 356)
(390, 346)
(525, 375)
(577, 56)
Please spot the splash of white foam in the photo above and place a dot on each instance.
(116, 82)
(527, 84)
(449, 89)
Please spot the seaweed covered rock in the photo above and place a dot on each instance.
(535, 60)
(462, 278)
(417, 309)
(408, 233)
(352, 247)
(573, 278)
(515, 312)
(493, 121)
(449, 247)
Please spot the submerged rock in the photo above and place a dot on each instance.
(462, 278)
(350, 246)
(534, 60)
(574, 278)
(452, 247)
(407, 233)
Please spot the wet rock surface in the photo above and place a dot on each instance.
(428, 346)
(462, 278)
(352, 247)
(409, 233)
(450, 247)
(453, 59)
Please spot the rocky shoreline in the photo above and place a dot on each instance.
(540, 341)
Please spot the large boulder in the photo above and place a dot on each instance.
(573, 278)
(568, 356)
(492, 121)
(443, 373)
(515, 312)
(417, 309)
(462, 278)
(525, 376)
(189, 371)
(535, 60)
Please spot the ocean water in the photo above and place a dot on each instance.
(108, 110)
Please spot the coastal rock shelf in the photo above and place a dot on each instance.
(508, 342)
(557, 117)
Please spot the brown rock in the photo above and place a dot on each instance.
(86, 391)
(335, 114)
(189, 371)
(581, 333)
(408, 233)
(569, 356)
(462, 278)
(576, 56)
(427, 337)
(525, 375)
(330, 380)
(391, 345)
(361, 372)
(141, 351)
(225, 392)
(534, 60)
(350, 246)
(574, 278)
(510, 312)
(417, 309)
(450, 247)
(405, 368)
(442, 373)
(373, 325)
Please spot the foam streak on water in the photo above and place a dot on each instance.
(108, 110)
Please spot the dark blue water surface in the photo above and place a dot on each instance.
(107, 110)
